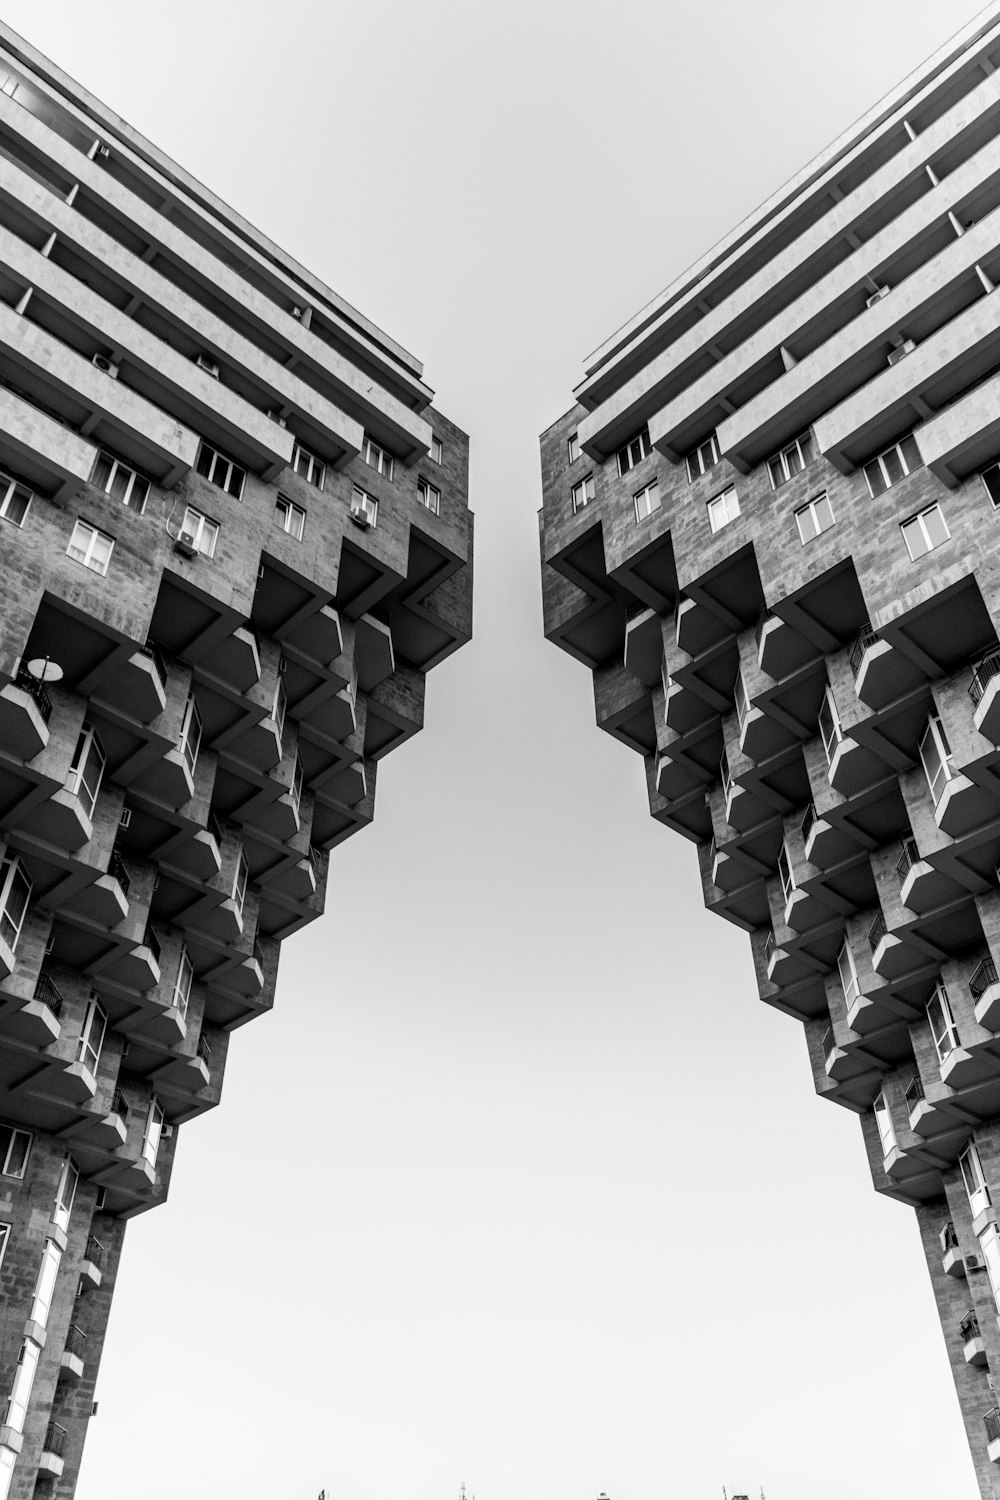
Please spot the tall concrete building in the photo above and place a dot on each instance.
(771, 529)
(234, 536)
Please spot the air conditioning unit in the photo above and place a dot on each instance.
(360, 517)
(186, 544)
(298, 312)
(277, 417)
(973, 1263)
(904, 349)
(166, 1132)
(208, 364)
(883, 291)
(101, 362)
(126, 817)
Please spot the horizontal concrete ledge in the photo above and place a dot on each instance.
(964, 437)
(41, 448)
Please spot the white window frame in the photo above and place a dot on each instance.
(832, 739)
(815, 517)
(69, 1178)
(92, 1034)
(13, 495)
(741, 701)
(881, 471)
(376, 458)
(790, 460)
(84, 777)
(152, 1132)
(308, 465)
(573, 447)
(703, 458)
(241, 879)
(437, 450)
(786, 875)
(429, 496)
(582, 492)
(203, 531)
(279, 707)
(121, 481)
(45, 1284)
(24, 1379)
(974, 1179)
(991, 483)
(941, 1020)
(883, 1124)
(16, 1153)
(725, 776)
(847, 967)
(221, 470)
(726, 505)
(13, 878)
(363, 504)
(917, 533)
(189, 739)
(91, 547)
(633, 452)
(289, 517)
(936, 757)
(647, 501)
(295, 790)
(989, 1246)
(183, 981)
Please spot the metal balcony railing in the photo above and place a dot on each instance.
(866, 638)
(205, 1050)
(968, 1329)
(119, 1107)
(984, 974)
(913, 1093)
(876, 932)
(907, 859)
(94, 1251)
(48, 992)
(983, 672)
(55, 1440)
(117, 871)
(152, 942)
(991, 1421)
(949, 1237)
(152, 650)
(76, 1341)
(34, 689)
(809, 819)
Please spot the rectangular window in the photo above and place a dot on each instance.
(848, 974)
(935, 753)
(364, 507)
(24, 1379)
(582, 492)
(703, 458)
(65, 1193)
(15, 893)
(437, 450)
(791, 460)
(290, 517)
(152, 1132)
(85, 774)
(925, 531)
(830, 731)
(944, 1032)
(989, 1244)
(888, 467)
(4, 1237)
(991, 483)
(220, 470)
(785, 875)
(308, 466)
(813, 518)
(95, 1023)
(573, 447)
(183, 983)
(14, 500)
(120, 481)
(199, 531)
(295, 791)
(91, 547)
(646, 501)
(14, 1148)
(429, 496)
(726, 777)
(975, 1179)
(634, 451)
(189, 739)
(45, 1284)
(279, 707)
(742, 701)
(883, 1120)
(723, 508)
(375, 456)
(240, 878)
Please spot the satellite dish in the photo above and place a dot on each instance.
(45, 670)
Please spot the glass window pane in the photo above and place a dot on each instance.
(936, 527)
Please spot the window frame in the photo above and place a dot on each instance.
(634, 452)
(95, 1022)
(883, 1124)
(786, 875)
(363, 504)
(908, 459)
(811, 509)
(152, 1132)
(645, 509)
(12, 869)
(133, 481)
(573, 449)
(944, 1034)
(728, 495)
(241, 881)
(291, 512)
(11, 489)
(935, 732)
(183, 982)
(86, 560)
(308, 465)
(695, 460)
(69, 1181)
(917, 522)
(211, 462)
(974, 1178)
(81, 782)
(21, 1386)
(583, 488)
(189, 739)
(852, 988)
(837, 729)
(426, 492)
(45, 1284)
(374, 455)
(782, 461)
(990, 469)
(437, 450)
(16, 1135)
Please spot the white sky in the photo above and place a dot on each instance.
(519, 1184)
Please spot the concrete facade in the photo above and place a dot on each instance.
(234, 537)
(770, 529)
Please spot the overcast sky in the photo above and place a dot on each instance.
(519, 1184)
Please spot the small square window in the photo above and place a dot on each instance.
(723, 508)
(814, 518)
(91, 547)
(14, 500)
(582, 492)
(437, 450)
(925, 531)
(990, 478)
(429, 496)
(220, 470)
(290, 517)
(703, 458)
(646, 501)
(573, 447)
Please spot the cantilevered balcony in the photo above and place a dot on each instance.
(953, 1261)
(74, 1353)
(984, 690)
(984, 987)
(25, 711)
(92, 1264)
(991, 1421)
(922, 886)
(138, 685)
(973, 1348)
(51, 1463)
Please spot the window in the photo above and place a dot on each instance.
(704, 457)
(4, 1237)
(295, 791)
(791, 460)
(989, 1244)
(742, 700)
(646, 501)
(848, 974)
(723, 509)
(377, 457)
(91, 547)
(95, 1023)
(944, 1032)
(279, 707)
(14, 1148)
(828, 723)
(814, 517)
(152, 1132)
(990, 478)
(309, 466)
(290, 517)
(14, 500)
(189, 739)
(975, 1179)
(935, 753)
(573, 447)
(582, 492)
(883, 1120)
(120, 481)
(220, 470)
(437, 450)
(785, 875)
(24, 1379)
(888, 467)
(364, 507)
(429, 496)
(183, 983)
(84, 778)
(240, 879)
(65, 1193)
(45, 1284)
(15, 893)
(925, 531)
(201, 532)
(634, 452)
(726, 777)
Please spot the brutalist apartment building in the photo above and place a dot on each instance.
(234, 535)
(771, 529)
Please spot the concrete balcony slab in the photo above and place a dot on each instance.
(24, 732)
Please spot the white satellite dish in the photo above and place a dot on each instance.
(45, 670)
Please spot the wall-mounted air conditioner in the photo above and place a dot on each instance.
(101, 362)
(883, 291)
(186, 544)
(904, 349)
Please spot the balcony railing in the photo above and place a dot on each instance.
(152, 942)
(914, 1092)
(982, 674)
(866, 638)
(908, 858)
(949, 1237)
(809, 819)
(48, 993)
(117, 871)
(968, 1329)
(34, 689)
(94, 1251)
(76, 1341)
(984, 974)
(55, 1439)
(152, 650)
(119, 1107)
(991, 1421)
(876, 932)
